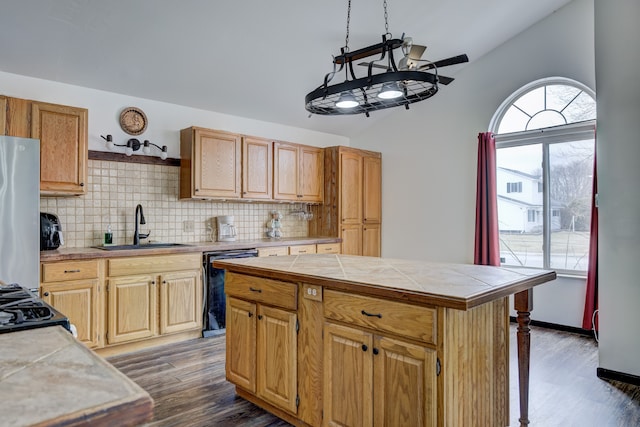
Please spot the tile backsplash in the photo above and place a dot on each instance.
(115, 188)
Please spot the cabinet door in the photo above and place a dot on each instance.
(372, 190)
(277, 357)
(240, 363)
(351, 235)
(348, 375)
(371, 240)
(79, 302)
(404, 384)
(180, 301)
(217, 164)
(62, 132)
(257, 164)
(311, 178)
(285, 171)
(131, 309)
(350, 188)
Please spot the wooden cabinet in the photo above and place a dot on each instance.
(373, 378)
(261, 339)
(257, 168)
(131, 308)
(210, 164)
(153, 295)
(352, 207)
(62, 131)
(74, 288)
(302, 249)
(298, 172)
(328, 248)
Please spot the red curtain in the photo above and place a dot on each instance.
(487, 244)
(591, 300)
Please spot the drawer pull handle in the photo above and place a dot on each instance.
(379, 316)
(273, 254)
(302, 252)
(72, 271)
(255, 290)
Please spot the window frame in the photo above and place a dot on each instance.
(577, 131)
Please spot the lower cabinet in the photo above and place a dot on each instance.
(79, 301)
(261, 354)
(73, 288)
(153, 295)
(373, 380)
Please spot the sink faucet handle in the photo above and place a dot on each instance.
(144, 236)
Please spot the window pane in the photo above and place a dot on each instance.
(519, 219)
(514, 120)
(546, 119)
(570, 186)
(581, 109)
(531, 102)
(559, 96)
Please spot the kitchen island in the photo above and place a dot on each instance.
(48, 378)
(348, 340)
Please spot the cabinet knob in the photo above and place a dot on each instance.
(259, 316)
(375, 351)
(364, 347)
(82, 184)
(46, 294)
(250, 314)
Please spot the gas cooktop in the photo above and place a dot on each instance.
(21, 309)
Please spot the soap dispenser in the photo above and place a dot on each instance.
(108, 236)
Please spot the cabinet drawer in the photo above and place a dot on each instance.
(302, 249)
(389, 316)
(69, 270)
(328, 248)
(153, 264)
(274, 251)
(272, 292)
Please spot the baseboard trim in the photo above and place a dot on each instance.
(607, 374)
(557, 327)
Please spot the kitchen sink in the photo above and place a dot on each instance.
(143, 246)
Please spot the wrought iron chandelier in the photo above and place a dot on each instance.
(401, 83)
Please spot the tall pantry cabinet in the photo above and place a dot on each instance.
(352, 208)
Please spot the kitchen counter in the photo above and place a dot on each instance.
(345, 305)
(47, 378)
(63, 254)
(458, 286)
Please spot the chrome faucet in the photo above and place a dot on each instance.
(136, 234)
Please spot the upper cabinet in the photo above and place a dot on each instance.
(257, 168)
(298, 172)
(62, 131)
(210, 164)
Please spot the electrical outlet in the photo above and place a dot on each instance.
(188, 226)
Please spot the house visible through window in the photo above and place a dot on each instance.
(545, 139)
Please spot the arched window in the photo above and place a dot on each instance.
(545, 139)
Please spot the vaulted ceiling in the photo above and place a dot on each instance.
(251, 58)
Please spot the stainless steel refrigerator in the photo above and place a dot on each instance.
(20, 211)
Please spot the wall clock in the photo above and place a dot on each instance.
(133, 121)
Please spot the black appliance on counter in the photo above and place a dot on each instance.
(215, 302)
(21, 309)
(50, 232)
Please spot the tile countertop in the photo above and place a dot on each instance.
(63, 254)
(47, 378)
(458, 286)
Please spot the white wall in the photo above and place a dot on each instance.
(165, 120)
(429, 217)
(618, 151)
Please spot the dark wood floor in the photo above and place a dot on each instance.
(187, 383)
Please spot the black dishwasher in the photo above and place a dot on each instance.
(214, 301)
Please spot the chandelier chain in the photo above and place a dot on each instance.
(346, 39)
(386, 18)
